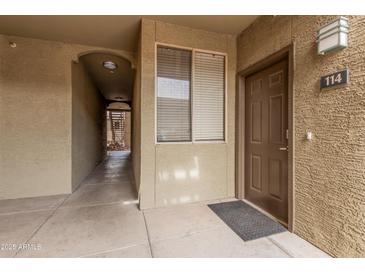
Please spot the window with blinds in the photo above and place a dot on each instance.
(209, 86)
(175, 95)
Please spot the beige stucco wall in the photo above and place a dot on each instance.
(136, 120)
(35, 115)
(88, 122)
(181, 173)
(329, 171)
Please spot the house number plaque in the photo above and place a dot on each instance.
(335, 79)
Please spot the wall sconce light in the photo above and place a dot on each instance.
(333, 36)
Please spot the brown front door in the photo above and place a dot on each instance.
(266, 143)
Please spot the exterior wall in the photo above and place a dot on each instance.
(136, 121)
(35, 119)
(88, 121)
(35, 115)
(166, 168)
(330, 170)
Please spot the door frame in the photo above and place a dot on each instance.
(288, 54)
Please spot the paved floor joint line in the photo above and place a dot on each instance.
(192, 233)
(281, 247)
(110, 250)
(148, 235)
(42, 224)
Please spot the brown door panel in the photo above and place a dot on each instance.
(266, 157)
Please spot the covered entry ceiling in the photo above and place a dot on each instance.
(116, 32)
(114, 85)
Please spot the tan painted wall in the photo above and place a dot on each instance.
(35, 119)
(180, 173)
(88, 122)
(35, 115)
(330, 170)
(136, 120)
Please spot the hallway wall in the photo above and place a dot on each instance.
(35, 115)
(88, 125)
(136, 120)
(330, 170)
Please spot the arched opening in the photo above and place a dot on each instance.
(118, 117)
(102, 85)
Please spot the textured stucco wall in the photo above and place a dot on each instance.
(35, 115)
(329, 171)
(212, 164)
(136, 120)
(88, 121)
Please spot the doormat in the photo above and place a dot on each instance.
(246, 221)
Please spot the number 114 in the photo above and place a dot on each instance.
(331, 80)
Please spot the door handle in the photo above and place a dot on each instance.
(283, 148)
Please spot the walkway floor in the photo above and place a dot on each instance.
(101, 219)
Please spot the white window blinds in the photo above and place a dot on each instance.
(176, 95)
(208, 93)
(173, 95)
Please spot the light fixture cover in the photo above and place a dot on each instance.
(333, 36)
(110, 65)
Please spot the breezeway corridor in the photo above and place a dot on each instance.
(101, 219)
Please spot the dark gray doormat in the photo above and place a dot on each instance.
(246, 221)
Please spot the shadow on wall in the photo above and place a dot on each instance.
(88, 124)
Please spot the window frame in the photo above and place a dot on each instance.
(192, 87)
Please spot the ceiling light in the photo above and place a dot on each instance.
(110, 65)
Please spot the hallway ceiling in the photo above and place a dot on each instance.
(116, 32)
(116, 86)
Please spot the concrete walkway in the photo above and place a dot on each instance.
(101, 219)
